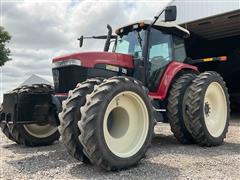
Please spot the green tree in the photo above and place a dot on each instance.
(4, 51)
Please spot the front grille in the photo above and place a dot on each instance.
(66, 78)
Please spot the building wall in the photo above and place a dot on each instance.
(190, 10)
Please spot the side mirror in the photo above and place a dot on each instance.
(80, 41)
(170, 13)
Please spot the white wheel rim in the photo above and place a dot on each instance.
(125, 124)
(40, 131)
(215, 109)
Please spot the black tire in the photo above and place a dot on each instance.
(91, 124)
(70, 116)
(5, 129)
(19, 133)
(198, 110)
(175, 108)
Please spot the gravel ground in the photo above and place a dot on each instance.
(166, 159)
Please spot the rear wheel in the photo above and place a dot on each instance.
(208, 109)
(117, 123)
(34, 134)
(70, 116)
(176, 109)
(5, 129)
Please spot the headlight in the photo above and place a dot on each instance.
(67, 62)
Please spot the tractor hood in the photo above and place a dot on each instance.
(90, 59)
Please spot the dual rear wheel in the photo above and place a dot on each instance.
(199, 109)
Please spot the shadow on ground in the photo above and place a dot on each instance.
(169, 145)
(144, 169)
(39, 158)
(20, 149)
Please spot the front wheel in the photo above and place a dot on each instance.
(116, 124)
(70, 116)
(208, 109)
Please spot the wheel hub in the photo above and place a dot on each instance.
(118, 122)
(215, 112)
(125, 124)
(207, 109)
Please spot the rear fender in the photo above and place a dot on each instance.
(170, 73)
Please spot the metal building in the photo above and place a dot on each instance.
(191, 10)
(210, 19)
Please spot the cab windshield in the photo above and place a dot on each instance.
(131, 43)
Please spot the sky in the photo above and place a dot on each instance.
(42, 30)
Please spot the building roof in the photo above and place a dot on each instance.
(215, 27)
(191, 10)
(35, 79)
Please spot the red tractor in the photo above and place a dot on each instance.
(109, 102)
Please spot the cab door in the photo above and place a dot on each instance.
(159, 56)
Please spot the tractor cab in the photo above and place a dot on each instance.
(153, 47)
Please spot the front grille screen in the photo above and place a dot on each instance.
(66, 78)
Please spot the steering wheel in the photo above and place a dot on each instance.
(156, 59)
(137, 54)
(157, 62)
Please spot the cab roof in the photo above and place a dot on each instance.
(169, 27)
